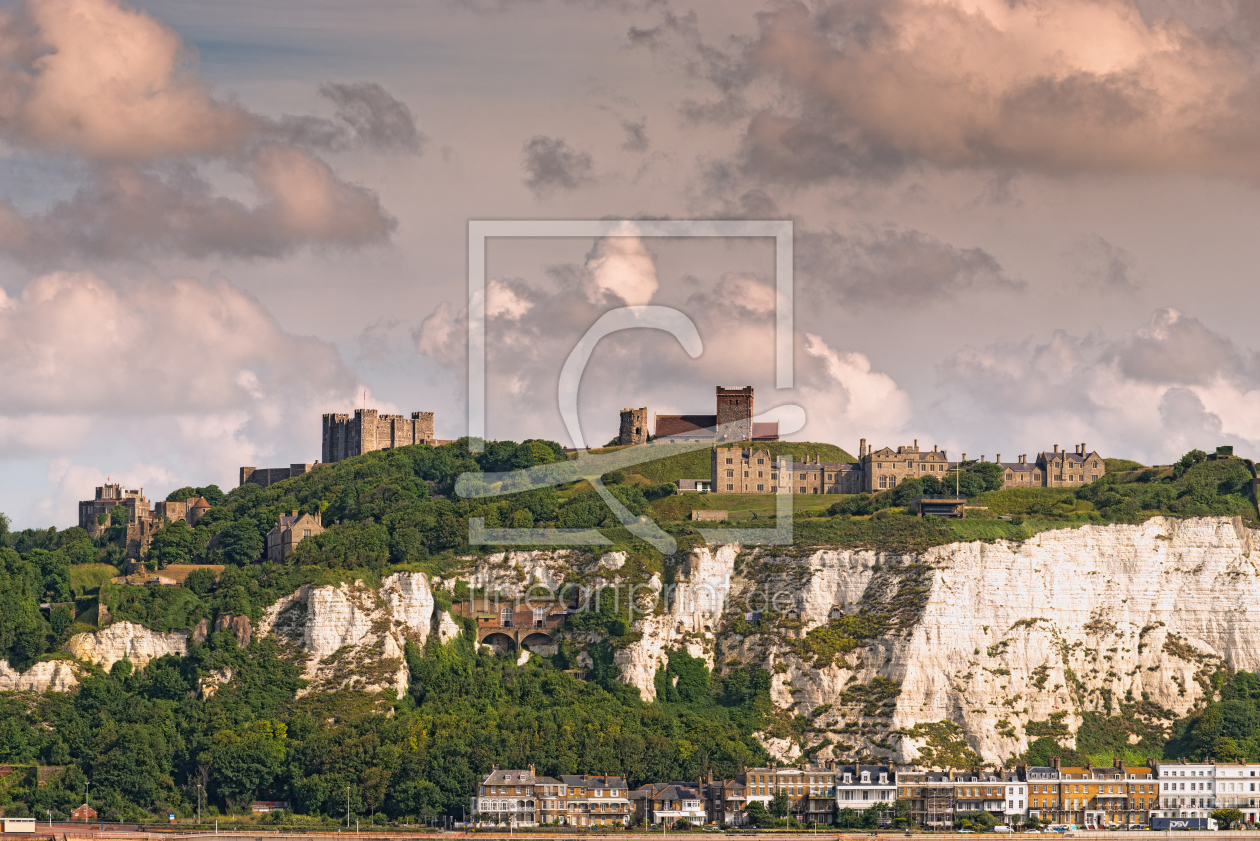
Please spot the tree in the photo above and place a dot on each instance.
(1228, 817)
(241, 542)
(779, 804)
(200, 580)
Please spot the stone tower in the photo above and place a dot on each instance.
(734, 413)
(368, 430)
(634, 428)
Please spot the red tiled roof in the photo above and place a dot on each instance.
(200, 502)
(765, 431)
(668, 425)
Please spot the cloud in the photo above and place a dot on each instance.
(196, 377)
(867, 90)
(1152, 394)
(113, 92)
(905, 268)
(552, 164)
(1103, 266)
(620, 266)
(531, 330)
(379, 120)
(636, 136)
(125, 212)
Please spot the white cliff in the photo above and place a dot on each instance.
(681, 616)
(1122, 620)
(352, 635)
(126, 640)
(54, 675)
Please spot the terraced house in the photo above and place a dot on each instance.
(595, 801)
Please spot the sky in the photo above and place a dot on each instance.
(1016, 224)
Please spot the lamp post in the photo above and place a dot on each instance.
(198, 804)
(87, 798)
(347, 807)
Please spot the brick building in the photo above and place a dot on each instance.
(345, 436)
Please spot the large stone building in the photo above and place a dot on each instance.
(733, 421)
(345, 436)
(141, 520)
(735, 469)
(291, 530)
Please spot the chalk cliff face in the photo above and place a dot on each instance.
(353, 636)
(1122, 620)
(126, 640)
(55, 675)
(689, 620)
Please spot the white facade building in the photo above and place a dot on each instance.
(862, 786)
(1186, 790)
(1238, 787)
(1016, 802)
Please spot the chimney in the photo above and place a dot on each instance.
(1054, 762)
(916, 444)
(982, 458)
(862, 448)
(997, 459)
(1056, 448)
(1082, 448)
(1115, 760)
(531, 770)
(964, 457)
(934, 446)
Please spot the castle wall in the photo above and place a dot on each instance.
(368, 430)
(264, 476)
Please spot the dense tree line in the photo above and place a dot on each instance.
(146, 738)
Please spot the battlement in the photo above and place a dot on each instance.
(368, 430)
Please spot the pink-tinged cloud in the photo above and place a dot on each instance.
(112, 87)
(1050, 85)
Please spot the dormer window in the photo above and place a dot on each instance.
(883, 778)
(848, 778)
(866, 776)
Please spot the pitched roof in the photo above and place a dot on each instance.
(200, 502)
(669, 425)
(764, 431)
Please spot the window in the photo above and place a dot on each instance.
(730, 461)
(802, 489)
(306, 532)
(761, 461)
(730, 487)
(760, 474)
(745, 474)
(761, 487)
(730, 473)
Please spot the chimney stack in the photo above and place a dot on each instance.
(997, 459)
(862, 448)
(1056, 448)
(1082, 448)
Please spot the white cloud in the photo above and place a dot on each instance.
(194, 376)
(1152, 394)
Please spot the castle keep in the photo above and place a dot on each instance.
(367, 431)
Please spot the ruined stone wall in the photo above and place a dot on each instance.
(264, 476)
(634, 427)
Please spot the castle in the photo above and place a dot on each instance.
(733, 421)
(748, 471)
(368, 430)
(142, 522)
